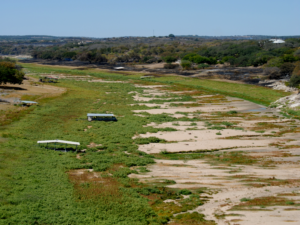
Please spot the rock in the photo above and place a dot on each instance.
(291, 101)
(278, 85)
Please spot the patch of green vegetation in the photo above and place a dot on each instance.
(227, 124)
(36, 183)
(228, 158)
(262, 202)
(9, 116)
(220, 125)
(183, 113)
(245, 199)
(192, 128)
(257, 94)
(232, 112)
(167, 129)
(190, 219)
(174, 98)
(143, 141)
(260, 131)
(217, 128)
(143, 169)
(180, 205)
(185, 192)
(35, 186)
(289, 113)
(222, 216)
(169, 181)
(238, 128)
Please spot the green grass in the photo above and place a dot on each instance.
(253, 93)
(227, 158)
(37, 185)
(191, 219)
(262, 202)
(40, 186)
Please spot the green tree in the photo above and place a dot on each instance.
(171, 35)
(9, 73)
(289, 58)
(275, 62)
(169, 59)
(69, 55)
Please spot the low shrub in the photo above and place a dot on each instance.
(186, 64)
(185, 192)
(203, 66)
(245, 199)
(272, 72)
(170, 66)
(143, 141)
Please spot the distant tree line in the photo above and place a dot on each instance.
(235, 53)
(193, 54)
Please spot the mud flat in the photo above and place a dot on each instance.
(246, 156)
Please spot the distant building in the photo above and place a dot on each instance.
(277, 41)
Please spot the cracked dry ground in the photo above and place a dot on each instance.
(244, 158)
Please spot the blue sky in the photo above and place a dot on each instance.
(115, 18)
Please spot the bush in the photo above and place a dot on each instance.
(169, 59)
(286, 69)
(245, 199)
(272, 72)
(186, 64)
(152, 60)
(170, 66)
(296, 71)
(297, 53)
(275, 62)
(185, 192)
(294, 81)
(289, 58)
(232, 112)
(191, 218)
(146, 58)
(195, 58)
(202, 66)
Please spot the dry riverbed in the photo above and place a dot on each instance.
(241, 157)
(245, 156)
